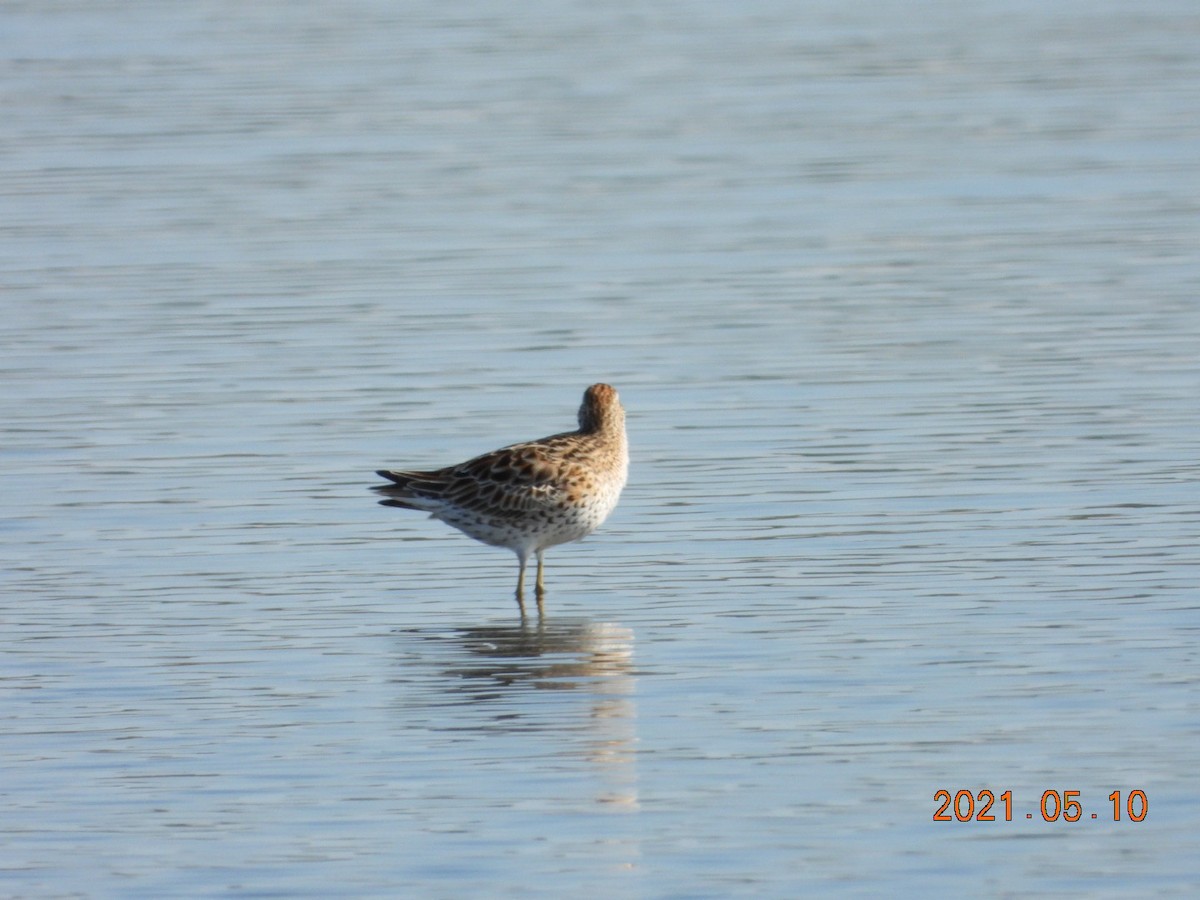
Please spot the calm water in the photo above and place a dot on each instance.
(904, 305)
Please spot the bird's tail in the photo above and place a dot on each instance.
(405, 490)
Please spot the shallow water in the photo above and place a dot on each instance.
(904, 310)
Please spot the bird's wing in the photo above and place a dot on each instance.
(512, 481)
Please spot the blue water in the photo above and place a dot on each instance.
(903, 305)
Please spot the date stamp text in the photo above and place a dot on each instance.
(1055, 806)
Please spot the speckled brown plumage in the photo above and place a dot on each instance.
(529, 496)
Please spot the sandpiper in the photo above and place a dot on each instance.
(529, 496)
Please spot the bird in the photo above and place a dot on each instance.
(529, 496)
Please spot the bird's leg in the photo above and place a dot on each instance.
(541, 584)
(522, 558)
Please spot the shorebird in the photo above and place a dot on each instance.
(533, 495)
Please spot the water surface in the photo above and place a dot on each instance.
(903, 308)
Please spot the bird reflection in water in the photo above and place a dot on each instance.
(561, 654)
(501, 667)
